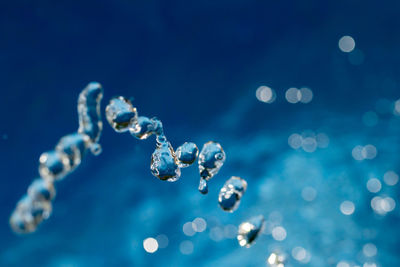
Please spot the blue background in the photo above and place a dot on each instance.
(196, 65)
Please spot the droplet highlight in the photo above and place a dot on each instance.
(231, 193)
(250, 230)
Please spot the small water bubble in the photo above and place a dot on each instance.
(187, 154)
(120, 114)
(231, 193)
(211, 159)
(164, 163)
(54, 165)
(276, 259)
(249, 231)
(41, 189)
(203, 186)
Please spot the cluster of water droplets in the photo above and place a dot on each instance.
(54, 165)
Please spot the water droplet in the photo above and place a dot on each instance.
(145, 127)
(121, 114)
(41, 189)
(211, 159)
(54, 165)
(187, 154)
(74, 146)
(89, 111)
(249, 231)
(231, 193)
(203, 186)
(164, 163)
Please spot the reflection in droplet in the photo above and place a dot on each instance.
(203, 186)
(249, 230)
(231, 193)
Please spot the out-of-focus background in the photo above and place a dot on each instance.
(301, 95)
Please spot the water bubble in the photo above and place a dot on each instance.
(41, 189)
(74, 146)
(231, 193)
(120, 114)
(187, 154)
(276, 259)
(249, 231)
(144, 127)
(203, 186)
(54, 165)
(89, 111)
(211, 159)
(164, 163)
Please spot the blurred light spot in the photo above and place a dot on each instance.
(374, 185)
(216, 234)
(186, 247)
(342, 264)
(275, 217)
(188, 229)
(356, 57)
(382, 205)
(309, 144)
(322, 140)
(199, 225)
(369, 152)
(306, 95)
(384, 106)
(347, 207)
(396, 108)
(162, 241)
(356, 153)
(370, 118)
(150, 245)
(369, 250)
(347, 44)
(279, 233)
(308, 193)
(295, 141)
(265, 94)
(300, 254)
(369, 264)
(391, 178)
(293, 95)
(230, 231)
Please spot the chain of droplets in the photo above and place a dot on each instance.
(54, 165)
(166, 163)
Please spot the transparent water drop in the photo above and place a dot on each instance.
(74, 146)
(211, 159)
(143, 127)
(90, 122)
(203, 186)
(249, 231)
(22, 222)
(96, 149)
(41, 189)
(187, 154)
(164, 163)
(54, 165)
(121, 114)
(231, 193)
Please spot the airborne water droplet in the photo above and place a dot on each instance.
(231, 193)
(121, 114)
(54, 165)
(249, 230)
(211, 159)
(203, 186)
(144, 127)
(164, 164)
(41, 189)
(187, 154)
(74, 146)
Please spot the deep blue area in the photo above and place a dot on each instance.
(196, 65)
